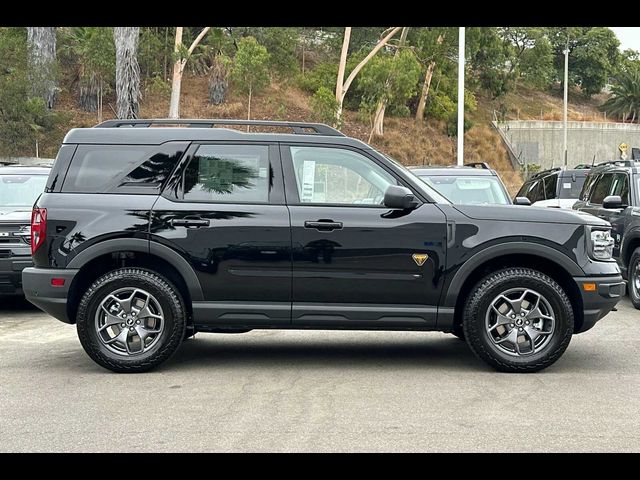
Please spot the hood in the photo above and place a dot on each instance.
(15, 215)
(518, 213)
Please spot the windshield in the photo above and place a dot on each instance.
(432, 192)
(469, 190)
(21, 190)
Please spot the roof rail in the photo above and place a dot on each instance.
(300, 128)
(618, 163)
(545, 172)
(582, 166)
(483, 165)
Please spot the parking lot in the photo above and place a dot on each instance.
(316, 391)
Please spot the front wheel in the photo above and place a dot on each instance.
(518, 320)
(131, 320)
(634, 278)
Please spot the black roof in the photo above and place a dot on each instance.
(142, 132)
(452, 170)
(579, 172)
(25, 170)
(617, 165)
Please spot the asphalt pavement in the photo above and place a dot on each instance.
(289, 391)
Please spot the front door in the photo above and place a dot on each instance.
(355, 261)
(225, 213)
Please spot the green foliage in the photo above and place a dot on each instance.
(488, 54)
(324, 105)
(158, 86)
(628, 61)
(323, 75)
(392, 79)
(155, 50)
(625, 96)
(93, 50)
(250, 65)
(23, 119)
(529, 54)
(281, 44)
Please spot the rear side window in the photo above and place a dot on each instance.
(550, 184)
(122, 168)
(601, 189)
(228, 173)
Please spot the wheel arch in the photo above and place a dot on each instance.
(519, 254)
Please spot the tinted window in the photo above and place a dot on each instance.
(338, 176)
(469, 190)
(534, 191)
(571, 186)
(20, 190)
(550, 184)
(620, 187)
(228, 173)
(586, 188)
(121, 168)
(601, 189)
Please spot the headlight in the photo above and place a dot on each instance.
(600, 244)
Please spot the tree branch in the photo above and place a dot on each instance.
(198, 39)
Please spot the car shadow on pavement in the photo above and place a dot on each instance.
(14, 304)
(435, 352)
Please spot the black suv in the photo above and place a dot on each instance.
(20, 186)
(612, 192)
(470, 184)
(556, 188)
(147, 235)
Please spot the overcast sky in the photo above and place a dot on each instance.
(629, 37)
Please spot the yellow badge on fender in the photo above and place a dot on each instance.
(420, 258)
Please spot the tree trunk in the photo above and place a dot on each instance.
(127, 71)
(89, 87)
(42, 59)
(178, 69)
(341, 68)
(249, 107)
(427, 85)
(381, 108)
(345, 88)
(218, 83)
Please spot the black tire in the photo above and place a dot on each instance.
(480, 300)
(633, 271)
(169, 339)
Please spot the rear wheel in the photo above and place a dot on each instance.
(131, 320)
(518, 320)
(634, 278)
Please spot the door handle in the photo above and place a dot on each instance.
(323, 225)
(190, 222)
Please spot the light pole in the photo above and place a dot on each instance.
(566, 101)
(461, 46)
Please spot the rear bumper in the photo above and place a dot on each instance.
(600, 301)
(11, 273)
(36, 283)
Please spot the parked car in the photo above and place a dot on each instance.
(19, 188)
(471, 184)
(612, 192)
(554, 188)
(146, 235)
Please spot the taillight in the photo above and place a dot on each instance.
(38, 228)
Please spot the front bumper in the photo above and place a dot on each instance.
(597, 303)
(36, 283)
(11, 273)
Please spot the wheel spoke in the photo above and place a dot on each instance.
(121, 337)
(511, 337)
(110, 320)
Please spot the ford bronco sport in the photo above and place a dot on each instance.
(147, 235)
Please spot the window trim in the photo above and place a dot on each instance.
(173, 188)
(291, 186)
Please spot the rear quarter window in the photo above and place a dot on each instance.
(122, 168)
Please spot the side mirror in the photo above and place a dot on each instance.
(522, 201)
(400, 197)
(612, 202)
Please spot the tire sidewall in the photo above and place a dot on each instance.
(474, 324)
(174, 326)
(634, 295)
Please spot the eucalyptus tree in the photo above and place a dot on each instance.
(127, 71)
(42, 60)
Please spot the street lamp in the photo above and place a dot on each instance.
(461, 42)
(566, 99)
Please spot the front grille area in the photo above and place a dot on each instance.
(5, 253)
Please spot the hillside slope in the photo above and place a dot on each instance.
(405, 140)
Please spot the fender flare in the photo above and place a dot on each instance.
(140, 245)
(501, 250)
(629, 237)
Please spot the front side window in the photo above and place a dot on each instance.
(620, 187)
(20, 190)
(338, 176)
(228, 173)
(586, 188)
(550, 184)
(535, 191)
(601, 189)
(468, 190)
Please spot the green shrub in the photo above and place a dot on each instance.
(324, 105)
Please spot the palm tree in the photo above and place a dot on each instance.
(625, 97)
(127, 71)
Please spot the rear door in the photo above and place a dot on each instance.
(224, 212)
